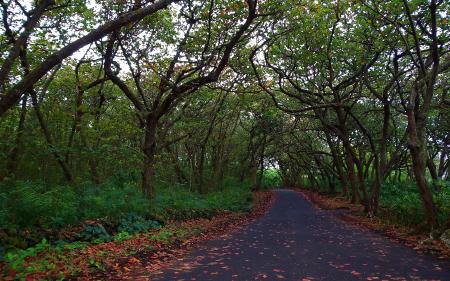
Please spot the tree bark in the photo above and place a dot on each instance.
(181, 177)
(338, 164)
(261, 164)
(12, 161)
(149, 149)
(58, 157)
(417, 148)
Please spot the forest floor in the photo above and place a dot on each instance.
(296, 241)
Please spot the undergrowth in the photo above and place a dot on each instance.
(34, 214)
(401, 203)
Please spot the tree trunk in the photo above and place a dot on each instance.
(432, 169)
(351, 176)
(59, 158)
(342, 177)
(218, 171)
(149, 150)
(202, 188)
(253, 173)
(417, 148)
(419, 165)
(380, 163)
(361, 182)
(338, 164)
(12, 161)
(261, 164)
(350, 155)
(181, 177)
(92, 162)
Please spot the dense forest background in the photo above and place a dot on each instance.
(145, 111)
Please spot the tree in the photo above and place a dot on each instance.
(161, 84)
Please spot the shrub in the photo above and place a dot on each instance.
(442, 200)
(271, 178)
(113, 203)
(180, 204)
(135, 224)
(16, 259)
(122, 236)
(403, 203)
(28, 204)
(94, 232)
(30, 209)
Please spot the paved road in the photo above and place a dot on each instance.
(295, 241)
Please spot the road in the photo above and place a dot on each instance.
(295, 241)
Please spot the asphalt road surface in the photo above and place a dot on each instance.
(295, 241)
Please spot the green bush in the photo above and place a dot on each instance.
(122, 236)
(112, 203)
(94, 232)
(403, 204)
(271, 178)
(179, 203)
(30, 204)
(16, 259)
(135, 224)
(442, 200)
(30, 209)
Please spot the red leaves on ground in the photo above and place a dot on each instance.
(329, 203)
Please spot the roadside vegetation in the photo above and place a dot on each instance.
(55, 234)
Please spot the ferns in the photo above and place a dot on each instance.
(30, 209)
(113, 203)
(28, 204)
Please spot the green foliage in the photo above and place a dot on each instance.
(115, 206)
(162, 236)
(122, 236)
(442, 199)
(271, 178)
(16, 259)
(26, 204)
(180, 204)
(111, 202)
(401, 203)
(135, 224)
(94, 232)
